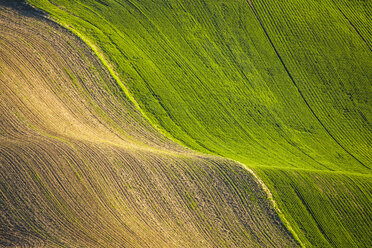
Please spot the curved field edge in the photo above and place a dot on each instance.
(81, 167)
(306, 143)
(111, 70)
(214, 81)
(326, 209)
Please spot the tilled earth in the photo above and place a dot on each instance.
(80, 166)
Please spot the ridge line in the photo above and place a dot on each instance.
(275, 205)
(105, 62)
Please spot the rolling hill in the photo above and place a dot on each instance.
(81, 167)
(96, 120)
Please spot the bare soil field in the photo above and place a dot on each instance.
(81, 167)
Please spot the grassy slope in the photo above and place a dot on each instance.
(326, 209)
(330, 62)
(280, 85)
(214, 81)
(81, 167)
(328, 56)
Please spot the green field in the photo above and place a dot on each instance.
(326, 209)
(283, 87)
(81, 167)
(239, 79)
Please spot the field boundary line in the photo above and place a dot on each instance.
(275, 205)
(105, 62)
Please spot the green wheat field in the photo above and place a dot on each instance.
(186, 123)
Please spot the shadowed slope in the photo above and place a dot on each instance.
(80, 167)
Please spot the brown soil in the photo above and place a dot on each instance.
(80, 166)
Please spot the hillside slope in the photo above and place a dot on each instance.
(262, 85)
(282, 87)
(81, 167)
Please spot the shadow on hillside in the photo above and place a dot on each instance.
(22, 7)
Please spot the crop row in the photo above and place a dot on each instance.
(326, 209)
(80, 166)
